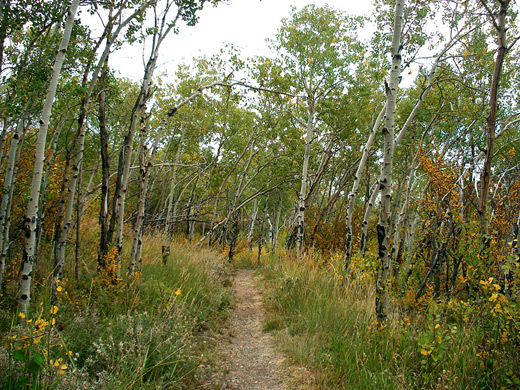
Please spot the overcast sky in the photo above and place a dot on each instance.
(244, 23)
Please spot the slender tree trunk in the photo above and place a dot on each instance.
(63, 229)
(271, 230)
(252, 226)
(400, 236)
(221, 188)
(355, 187)
(41, 206)
(385, 185)
(277, 223)
(5, 126)
(143, 181)
(500, 26)
(261, 235)
(32, 208)
(7, 192)
(125, 157)
(300, 218)
(78, 226)
(105, 169)
(173, 183)
(366, 219)
(144, 169)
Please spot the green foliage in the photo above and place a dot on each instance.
(327, 325)
(141, 333)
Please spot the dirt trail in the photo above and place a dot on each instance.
(253, 363)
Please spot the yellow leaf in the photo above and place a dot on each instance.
(425, 352)
(178, 292)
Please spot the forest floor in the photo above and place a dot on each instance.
(250, 357)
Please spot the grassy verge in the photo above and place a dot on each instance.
(328, 326)
(153, 331)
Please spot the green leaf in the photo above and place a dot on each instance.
(22, 383)
(19, 355)
(36, 364)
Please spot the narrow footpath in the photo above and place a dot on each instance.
(253, 363)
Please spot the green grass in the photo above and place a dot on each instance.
(154, 331)
(328, 326)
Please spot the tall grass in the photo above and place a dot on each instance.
(151, 331)
(328, 325)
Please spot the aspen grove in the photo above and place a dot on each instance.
(372, 158)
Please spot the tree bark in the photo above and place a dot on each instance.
(385, 184)
(252, 226)
(32, 208)
(64, 229)
(173, 183)
(500, 26)
(7, 192)
(355, 188)
(366, 219)
(105, 175)
(123, 176)
(144, 172)
(300, 217)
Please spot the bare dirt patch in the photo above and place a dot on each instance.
(248, 358)
(253, 362)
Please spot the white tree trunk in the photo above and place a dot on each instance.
(143, 183)
(7, 193)
(127, 157)
(252, 226)
(61, 244)
(385, 184)
(277, 223)
(300, 218)
(366, 219)
(32, 208)
(173, 183)
(140, 104)
(400, 236)
(144, 168)
(355, 187)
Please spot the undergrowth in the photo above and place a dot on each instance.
(325, 324)
(151, 331)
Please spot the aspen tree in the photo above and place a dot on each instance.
(499, 24)
(355, 187)
(385, 184)
(64, 229)
(161, 31)
(7, 192)
(34, 198)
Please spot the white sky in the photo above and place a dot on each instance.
(244, 23)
